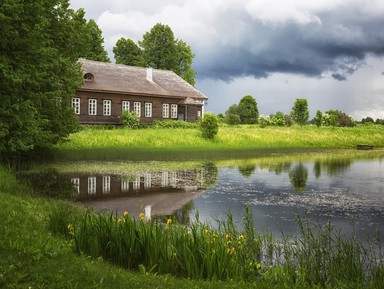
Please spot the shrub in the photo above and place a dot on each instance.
(130, 120)
(209, 126)
(264, 121)
(278, 119)
(232, 119)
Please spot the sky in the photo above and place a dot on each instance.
(329, 52)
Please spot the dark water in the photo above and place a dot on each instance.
(348, 192)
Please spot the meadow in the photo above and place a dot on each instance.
(231, 141)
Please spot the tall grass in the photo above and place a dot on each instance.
(319, 256)
(153, 143)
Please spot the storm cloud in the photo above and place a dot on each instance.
(244, 42)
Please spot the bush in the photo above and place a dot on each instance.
(232, 119)
(130, 120)
(264, 121)
(209, 126)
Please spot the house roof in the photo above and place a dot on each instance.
(117, 78)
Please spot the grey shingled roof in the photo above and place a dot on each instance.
(119, 78)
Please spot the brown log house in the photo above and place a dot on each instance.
(153, 94)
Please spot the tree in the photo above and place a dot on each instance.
(278, 119)
(231, 115)
(247, 110)
(159, 47)
(161, 50)
(127, 52)
(209, 126)
(300, 113)
(184, 62)
(319, 118)
(41, 42)
(95, 49)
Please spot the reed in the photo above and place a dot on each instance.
(319, 256)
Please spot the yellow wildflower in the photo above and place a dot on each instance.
(227, 236)
(70, 229)
(148, 218)
(241, 238)
(125, 214)
(141, 216)
(169, 222)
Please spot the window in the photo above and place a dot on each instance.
(76, 105)
(92, 107)
(107, 107)
(198, 113)
(89, 77)
(125, 184)
(124, 105)
(137, 108)
(92, 185)
(148, 109)
(173, 110)
(76, 184)
(106, 184)
(165, 110)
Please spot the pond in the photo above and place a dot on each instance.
(348, 191)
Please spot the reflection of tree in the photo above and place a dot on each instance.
(317, 169)
(49, 183)
(210, 173)
(246, 171)
(335, 167)
(299, 176)
(280, 167)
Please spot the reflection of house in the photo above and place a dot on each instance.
(101, 186)
(156, 193)
(109, 89)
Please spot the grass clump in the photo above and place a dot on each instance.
(320, 257)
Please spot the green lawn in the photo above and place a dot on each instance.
(246, 140)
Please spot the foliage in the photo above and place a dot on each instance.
(231, 115)
(300, 112)
(184, 62)
(209, 126)
(278, 119)
(368, 119)
(130, 119)
(337, 118)
(319, 118)
(247, 110)
(264, 121)
(40, 44)
(174, 124)
(127, 52)
(94, 49)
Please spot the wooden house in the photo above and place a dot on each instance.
(153, 94)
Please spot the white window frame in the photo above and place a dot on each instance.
(137, 108)
(173, 110)
(107, 107)
(91, 185)
(92, 106)
(148, 109)
(165, 110)
(125, 184)
(76, 184)
(125, 105)
(198, 113)
(106, 184)
(76, 104)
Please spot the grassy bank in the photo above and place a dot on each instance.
(36, 254)
(33, 257)
(237, 141)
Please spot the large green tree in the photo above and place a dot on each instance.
(127, 52)
(41, 41)
(247, 110)
(94, 43)
(158, 49)
(300, 112)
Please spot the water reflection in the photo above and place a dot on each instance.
(299, 176)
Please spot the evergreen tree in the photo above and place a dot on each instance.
(94, 43)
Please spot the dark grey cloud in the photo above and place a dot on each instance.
(338, 46)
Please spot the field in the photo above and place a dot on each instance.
(245, 140)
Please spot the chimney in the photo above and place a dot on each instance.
(149, 73)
